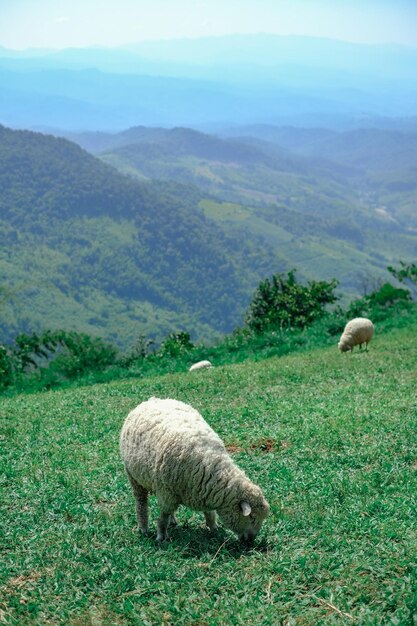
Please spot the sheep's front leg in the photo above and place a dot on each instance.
(141, 504)
(211, 519)
(162, 525)
(172, 520)
(167, 516)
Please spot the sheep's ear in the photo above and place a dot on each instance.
(245, 508)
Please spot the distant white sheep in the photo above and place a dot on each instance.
(200, 365)
(357, 332)
(169, 449)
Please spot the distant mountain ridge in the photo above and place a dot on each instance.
(241, 79)
(366, 148)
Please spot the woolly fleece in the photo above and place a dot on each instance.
(169, 449)
(358, 331)
(200, 365)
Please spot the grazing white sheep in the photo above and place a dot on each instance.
(168, 448)
(357, 332)
(200, 365)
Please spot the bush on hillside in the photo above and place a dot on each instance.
(81, 353)
(139, 351)
(33, 351)
(377, 304)
(7, 367)
(176, 344)
(282, 302)
(69, 353)
(407, 271)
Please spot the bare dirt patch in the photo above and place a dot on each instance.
(264, 445)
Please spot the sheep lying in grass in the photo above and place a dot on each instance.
(200, 365)
(357, 332)
(168, 448)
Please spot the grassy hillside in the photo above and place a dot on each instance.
(331, 438)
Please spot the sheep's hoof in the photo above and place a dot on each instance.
(161, 538)
(144, 532)
(213, 528)
(172, 521)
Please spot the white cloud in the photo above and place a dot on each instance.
(61, 19)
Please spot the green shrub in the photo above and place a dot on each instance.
(378, 304)
(284, 316)
(32, 350)
(407, 271)
(282, 302)
(176, 344)
(81, 353)
(7, 367)
(138, 353)
(68, 354)
(388, 295)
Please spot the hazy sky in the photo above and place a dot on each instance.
(65, 23)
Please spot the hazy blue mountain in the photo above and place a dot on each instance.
(172, 143)
(366, 148)
(245, 53)
(245, 79)
(272, 50)
(370, 149)
(90, 99)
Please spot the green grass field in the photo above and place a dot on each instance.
(332, 440)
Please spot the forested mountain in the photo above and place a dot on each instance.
(326, 216)
(384, 161)
(360, 176)
(85, 247)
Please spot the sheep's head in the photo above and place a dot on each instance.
(245, 516)
(344, 346)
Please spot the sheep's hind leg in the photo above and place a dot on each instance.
(211, 519)
(141, 503)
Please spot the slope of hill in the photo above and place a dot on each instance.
(331, 440)
(384, 160)
(322, 215)
(369, 149)
(85, 247)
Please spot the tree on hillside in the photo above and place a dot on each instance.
(407, 272)
(283, 302)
